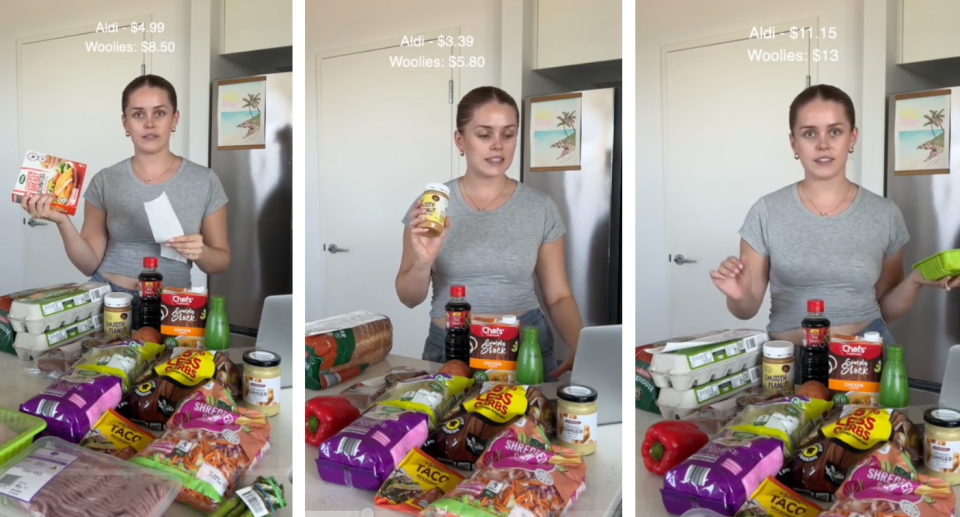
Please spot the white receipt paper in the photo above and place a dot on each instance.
(165, 225)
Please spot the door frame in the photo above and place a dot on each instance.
(730, 37)
(456, 164)
(89, 28)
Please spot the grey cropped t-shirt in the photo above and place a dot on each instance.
(836, 259)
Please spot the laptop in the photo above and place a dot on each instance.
(276, 333)
(599, 365)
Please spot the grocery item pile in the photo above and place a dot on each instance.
(407, 436)
(736, 444)
(133, 424)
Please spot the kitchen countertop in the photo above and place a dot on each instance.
(604, 468)
(648, 485)
(17, 386)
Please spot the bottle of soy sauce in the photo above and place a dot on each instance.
(815, 355)
(457, 343)
(151, 284)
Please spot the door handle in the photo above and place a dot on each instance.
(334, 249)
(33, 223)
(679, 260)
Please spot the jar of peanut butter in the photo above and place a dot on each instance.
(436, 197)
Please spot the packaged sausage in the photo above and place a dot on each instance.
(418, 481)
(209, 450)
(545, 483)
(886, 483)
(341, 347)
(723, 474)
(53, 478)
(117, 436)
(819, 469)
(47, 174)
(461, 440)
(74, 404)
(366, 452)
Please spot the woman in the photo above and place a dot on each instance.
(116, 234)
(500, 234)
(823, 237)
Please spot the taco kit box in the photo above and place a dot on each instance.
(48, 174)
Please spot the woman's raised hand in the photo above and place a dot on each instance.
(732, 278)
(39, 207)
(426, 248)
(947, 283)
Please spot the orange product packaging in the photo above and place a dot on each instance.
(855, 369)
(494, 343)
(183, 316)
(47, 174)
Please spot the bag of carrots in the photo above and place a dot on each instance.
(520, 469)
(209, 446)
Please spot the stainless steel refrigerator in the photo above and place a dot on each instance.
(589, 198)
(258, 183)
(930, 203)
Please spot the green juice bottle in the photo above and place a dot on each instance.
(218, 328)
(530, 360)
(894, 389)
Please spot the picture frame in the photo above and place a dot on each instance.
(241, 112)
(552, 149)
(922, 133)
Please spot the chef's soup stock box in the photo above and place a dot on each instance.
(494, 342)
(48, 174)
(183, 315)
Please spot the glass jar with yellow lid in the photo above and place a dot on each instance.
(941, 444)
(261, 381)
(577, 418)
(435, 199)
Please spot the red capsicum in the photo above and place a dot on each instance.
(669, 443)
(327, 416)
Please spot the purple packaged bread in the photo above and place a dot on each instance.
(365, 453)
(74, 404)
(722, 475)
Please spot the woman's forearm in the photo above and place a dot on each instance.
(899, 300)
(413, 284)
(79, 251)
(745, 308)
(213, 261)
(565, 316)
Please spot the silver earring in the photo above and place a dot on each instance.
(461, 153)
(128, 133)
(796, 157)
(174, 130)
(851, 150)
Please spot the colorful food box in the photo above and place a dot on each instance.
(47, 174)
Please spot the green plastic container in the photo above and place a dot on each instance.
(26, 425)
(940, 265)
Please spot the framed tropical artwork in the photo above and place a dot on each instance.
(241, 108)
(554, 129)
(922, 133)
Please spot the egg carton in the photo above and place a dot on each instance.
(686, 368)
(682, 404)
(31, 346)
(53, 309)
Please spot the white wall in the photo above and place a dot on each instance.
(333, 24)
(659, 23)
(21, 19)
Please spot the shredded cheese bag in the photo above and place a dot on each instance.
(416, 483)
(772, 499)
(117, 436)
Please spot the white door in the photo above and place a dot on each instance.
(726, 146)
(77, 124)
(386, 132)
